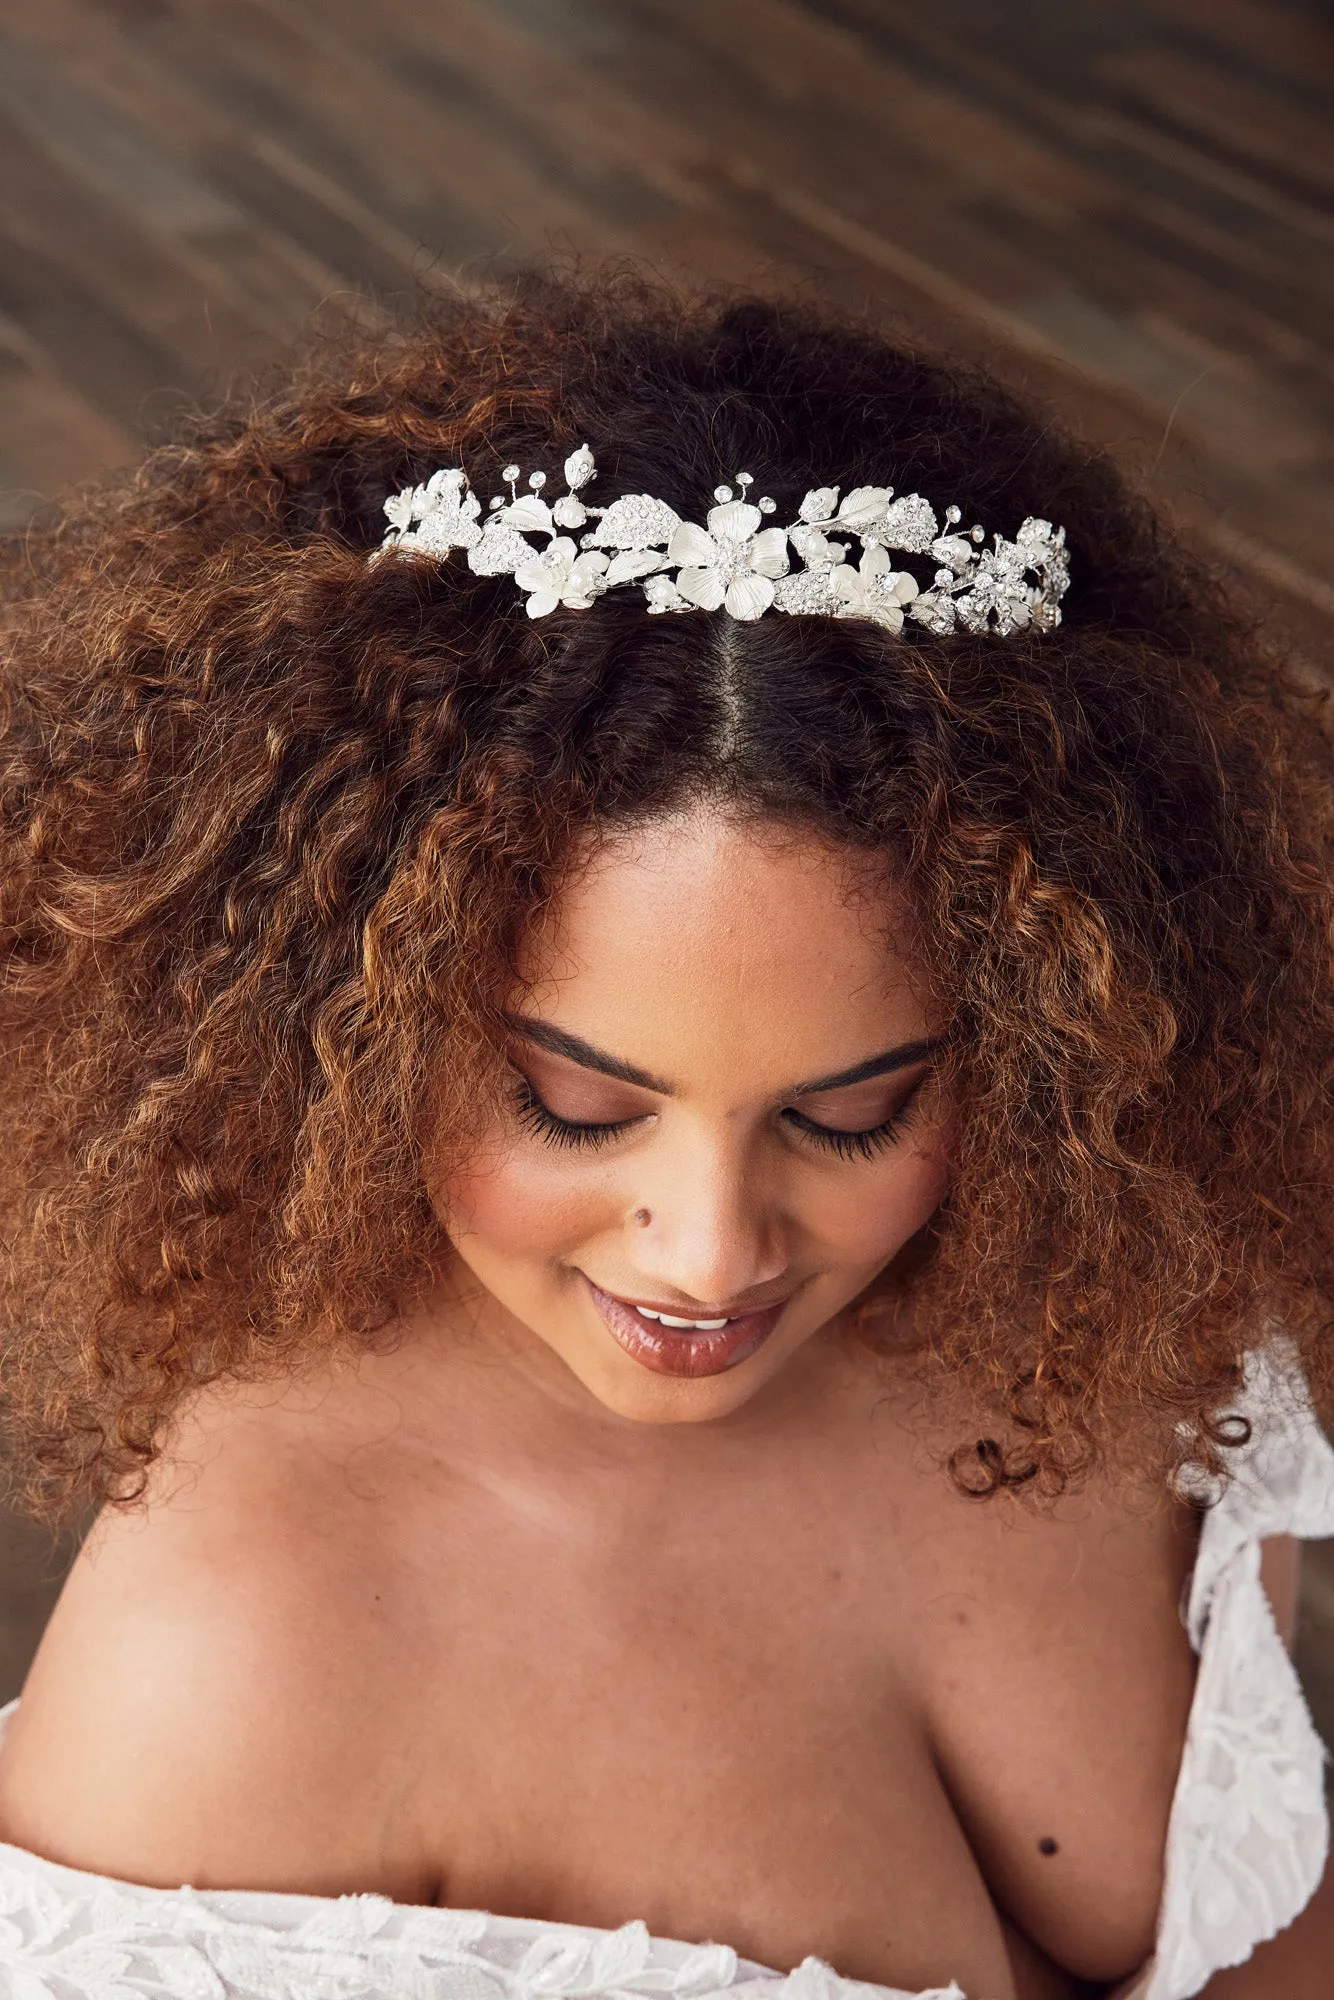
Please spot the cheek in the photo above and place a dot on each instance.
(868, 1215)
(527, 1202)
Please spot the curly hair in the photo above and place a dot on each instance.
(275, 821)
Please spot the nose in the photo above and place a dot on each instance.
(714, 1234)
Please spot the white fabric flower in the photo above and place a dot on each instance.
(731, 565)
(560, 575)
(399, 508)
(631, 564)
(875, 589)
(859, 511)
(957, 552)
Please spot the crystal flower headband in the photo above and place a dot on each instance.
(734, 562)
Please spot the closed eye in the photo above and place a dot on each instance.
(864, 1144)
(855, 1141)
(545, 1124)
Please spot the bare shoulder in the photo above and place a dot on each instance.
(217, 1662)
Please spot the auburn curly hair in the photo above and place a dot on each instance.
(274, 820)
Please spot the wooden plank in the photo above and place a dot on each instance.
(50, 438)
(1273, 542)
(1123, 135)
(442, 159)
(67, 222)
(716, 217)
(123, 371)
(299, 201)
(946, 292)
(471, 67)
(1284, 141)
(1289, 45)
(1240, 412)
(851, 155)
(1055, 65)
(661, 235)
(431, 132)
(684, 128)
(820, 56)
(248, 279)
(170, 197)
(113, 156)
(797, 64)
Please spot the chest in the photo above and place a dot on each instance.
(924, 1743)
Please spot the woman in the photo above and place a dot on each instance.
(669, 1154)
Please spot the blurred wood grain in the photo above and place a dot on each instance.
(1125, 206)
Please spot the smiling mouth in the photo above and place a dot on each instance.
(669, 1344)
(682, 1325)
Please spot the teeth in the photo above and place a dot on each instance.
(689, 1325)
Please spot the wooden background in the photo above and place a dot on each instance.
(1124, 205)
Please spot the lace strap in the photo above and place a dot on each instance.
(1280, 1483)
(1249, 1831)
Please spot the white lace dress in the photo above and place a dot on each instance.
(1246, 1841)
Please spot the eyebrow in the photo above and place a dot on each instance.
(882, 1065)
(560, 1042)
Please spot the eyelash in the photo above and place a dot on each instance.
(864, 1145)
(553, 1131)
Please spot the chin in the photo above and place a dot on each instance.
(659, 1399)
(640, 1395)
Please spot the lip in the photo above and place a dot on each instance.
(671, 1351)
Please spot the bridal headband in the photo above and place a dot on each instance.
(734, 562)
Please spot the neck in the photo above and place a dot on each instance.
(461, 1350)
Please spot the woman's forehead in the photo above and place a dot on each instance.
(745, 889)
(703, 940)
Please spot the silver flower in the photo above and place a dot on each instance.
(875, 589)
(997, 597)
(733, 563)
(560, 575)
